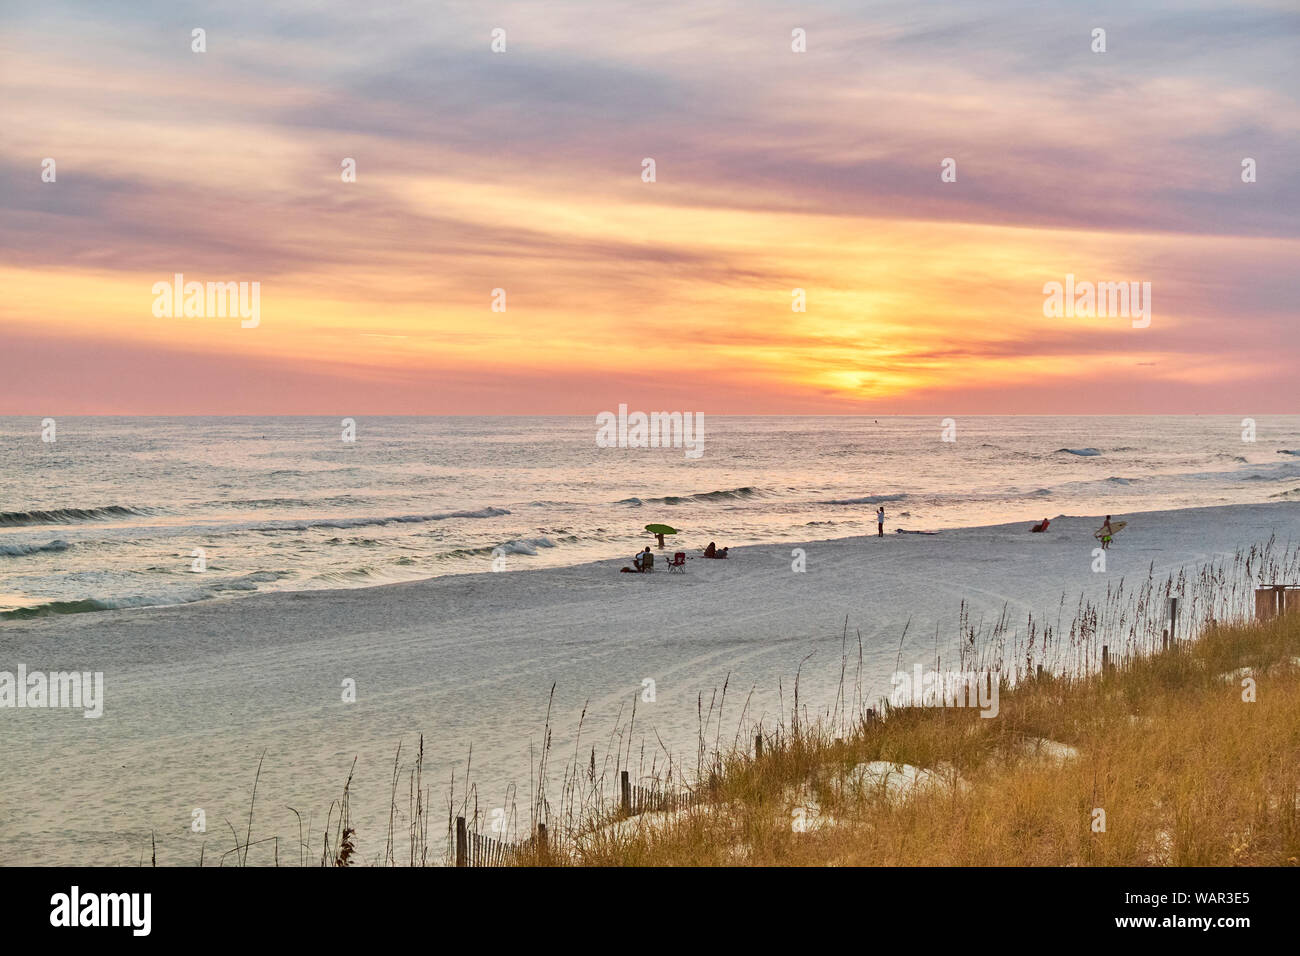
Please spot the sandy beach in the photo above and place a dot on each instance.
(195, 694)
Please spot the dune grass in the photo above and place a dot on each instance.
(1186, 771)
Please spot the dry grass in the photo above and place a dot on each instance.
(1187, 773)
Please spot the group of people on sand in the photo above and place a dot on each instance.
(644, 560)
(1105, 533)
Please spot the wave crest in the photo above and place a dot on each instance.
(307, 524)
(868, 500)
(246, 582)
(16, 519)
(729, 494)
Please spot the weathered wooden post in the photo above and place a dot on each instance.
(1164, 640)
(541, 842)
(1263, 603)
(1173, 622)
(626, 789)
(1105, 658)
(462, 848)
(758, 746)
(1038, 675)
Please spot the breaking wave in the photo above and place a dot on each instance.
(18, 550)
(247, 582)
(730, 494)
(15, 519)
(868, 500)
(307, 524)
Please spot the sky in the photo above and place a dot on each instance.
(523, 170)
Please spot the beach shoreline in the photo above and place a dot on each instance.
(284, 506)
(196, 693)
(661, 558)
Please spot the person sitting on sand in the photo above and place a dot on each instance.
(713, 551)
(641, 561)
(1041, 526)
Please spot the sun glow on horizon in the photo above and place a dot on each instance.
(522, 173)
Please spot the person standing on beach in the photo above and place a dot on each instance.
(1105, 533)
(880, 522)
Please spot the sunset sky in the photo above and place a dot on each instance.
(775, 170)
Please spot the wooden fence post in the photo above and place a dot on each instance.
(758, 746)
(1105, 658)
(1039, 674)
(462, 849)
(541, 841)
(626, 789)
(1173, 621)
(1164, 640)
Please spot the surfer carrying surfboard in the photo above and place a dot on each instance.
(1105, 532)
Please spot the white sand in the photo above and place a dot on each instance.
(196, 693)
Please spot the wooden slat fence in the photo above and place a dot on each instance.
(479, 849)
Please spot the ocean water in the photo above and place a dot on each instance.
(117, 512)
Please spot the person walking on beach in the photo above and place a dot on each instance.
(1105, 533)
(880, 522)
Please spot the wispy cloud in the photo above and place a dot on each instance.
(775, 171)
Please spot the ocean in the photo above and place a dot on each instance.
(134, 512)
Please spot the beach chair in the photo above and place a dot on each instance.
(678, 563)
(648, 562)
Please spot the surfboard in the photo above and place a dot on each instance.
(905, 531)
(660, 529)
(1115, 529)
